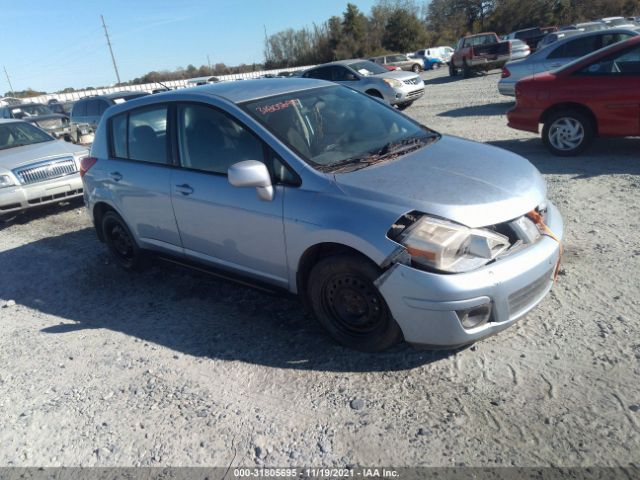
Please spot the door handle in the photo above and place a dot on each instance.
(116, 176)
(555, 65)
(184, 189)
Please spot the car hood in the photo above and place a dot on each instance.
(470, 183)
(398, 74)
(18, 156)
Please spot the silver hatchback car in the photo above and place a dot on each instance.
(386, 229)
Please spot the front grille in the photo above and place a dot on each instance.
(415, 93)
(40, 172)
(521, 299)
(412, 81)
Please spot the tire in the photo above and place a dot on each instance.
(416, 68)
(121, 243)
(349, 306)
(436, 66)
(567, 133)
(466, 71)
(404, 106)
(453, 71)
(374, 93)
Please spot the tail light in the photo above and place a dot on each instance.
(505, 72)
(86, 163)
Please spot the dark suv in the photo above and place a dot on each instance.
(87, 112)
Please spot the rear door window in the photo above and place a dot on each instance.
(577, 48)
(322, 73)
(141, 135)
(93, 108)
(79, 109)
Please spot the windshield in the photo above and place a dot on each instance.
(31, 110)
(366, 67)
(338, 128)
(18, 134)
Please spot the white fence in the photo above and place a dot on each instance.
(149, 87)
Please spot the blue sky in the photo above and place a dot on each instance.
(49, 45)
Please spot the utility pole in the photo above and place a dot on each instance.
(106, 34)
(8, 80)
(209, 62)
(266, 43)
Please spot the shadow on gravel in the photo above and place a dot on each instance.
(71, 276)
(488, 110)
(607, 156)
(26, 216)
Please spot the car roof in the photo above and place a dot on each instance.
(572, 37)
(239, 92)
(111, 96)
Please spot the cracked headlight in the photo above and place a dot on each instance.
(450, 247)
(392, 82)
(6, 181)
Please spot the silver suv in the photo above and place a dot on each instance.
(385, 228)
(394, 87)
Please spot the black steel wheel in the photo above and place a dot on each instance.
(120, 242)
(346, 302)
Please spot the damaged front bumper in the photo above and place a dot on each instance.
(429, 306)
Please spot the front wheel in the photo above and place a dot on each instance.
(567, 133)
(404, 106)
(349, 306)
(121, 243)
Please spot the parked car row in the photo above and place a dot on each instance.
(559, 54)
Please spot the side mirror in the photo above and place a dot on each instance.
(251, 173)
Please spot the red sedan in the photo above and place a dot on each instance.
(596, 95)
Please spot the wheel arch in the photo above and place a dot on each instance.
(99, 209)
(374, 93)
(579, 107)
(313, 254)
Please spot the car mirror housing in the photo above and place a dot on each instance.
(252, 173)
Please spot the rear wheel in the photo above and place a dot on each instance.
(466, 70)
(121, 243)
(349, 306)
(453, 71)
(416, 68)
(567, 133)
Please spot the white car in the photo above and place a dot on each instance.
(35, 168)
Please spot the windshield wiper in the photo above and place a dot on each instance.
(388, 151)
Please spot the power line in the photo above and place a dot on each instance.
(8, 80)
(106, 34)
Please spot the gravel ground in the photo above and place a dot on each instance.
(171, 367)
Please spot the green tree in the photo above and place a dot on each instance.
(404, 32)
